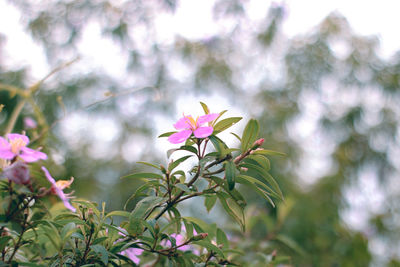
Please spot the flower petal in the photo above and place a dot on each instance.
(68, 205)
(13, 136)
(179, 137)
(31, 155)
(207, 118)
(183, 123)
(48, 176)
(6, 154)
(4, 144)
(203, 132)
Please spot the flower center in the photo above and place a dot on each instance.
(192, 123)
(62, 184)
(16, 145)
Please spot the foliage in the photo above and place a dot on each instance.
(154, 231)
(326, 96)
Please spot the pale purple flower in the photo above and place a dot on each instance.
(189, 126)
(16, 146)
(180, 239)
(58, 187)
(29, 123)
(133, 253)
(17, 172)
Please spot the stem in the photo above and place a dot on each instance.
(17, 245)
(14, 116)
(196, 194)
(87, 247)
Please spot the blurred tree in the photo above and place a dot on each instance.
(327, 99)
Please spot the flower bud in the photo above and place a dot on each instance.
(18, 172)
(258, 143)
(163, 170)
(199, 237)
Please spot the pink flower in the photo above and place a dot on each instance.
(29, 123)
(180, 239)
(17, 172)
(58, 187)
(16, 146)
(188, 126)
(133, 253)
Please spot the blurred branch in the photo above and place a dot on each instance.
(27, 97)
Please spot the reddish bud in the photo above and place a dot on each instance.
(18, 172)
(258, 143)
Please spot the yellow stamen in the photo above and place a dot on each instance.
(62, 184)
(16, 145)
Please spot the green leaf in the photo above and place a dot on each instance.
(225, 124)
(222, 239)
(167, 134)
(183, 187)
(187, 148)
(230, 173)
(145, 175)
(237, 136)
(4, 241)
(149, 164)
(175, 163)
(99, 240)
(210, 201)
(219, 146)
(135, 226)
(118, 213)
(250, 134)
(68, 230)
(204, 227)
(205, 108)
(102, 252)
(262, 161)
(253, 185)
(210, 247)
(291, 244)
(144, 205)
(234, 210)
(268, 152)
(267, 177)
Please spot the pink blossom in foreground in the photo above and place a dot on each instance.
(58, 187)
(16, 146)
(189, 126)
(17, 172)
(29, 123)
(133, 253)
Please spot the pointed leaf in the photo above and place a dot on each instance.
(145, 175)
(230, 173)
(250, 134)
(225, 124)
(175, 163)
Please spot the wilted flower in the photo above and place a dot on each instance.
(18, 172)
(188, 126)
(58, 187)
(16, 146)
(29, 123)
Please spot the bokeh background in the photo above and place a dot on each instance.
(326, 92)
